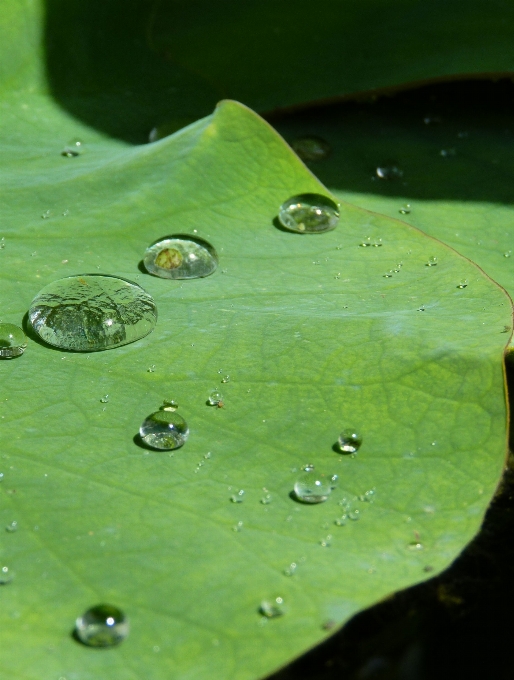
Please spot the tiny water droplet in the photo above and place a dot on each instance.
(341, 521)
(46, 214)
(12, 527)
(388, 172)
(349, 441)
(151, 369)
(421, 309)
(2, 243)
(446, 153)
(405, 209)
(367, 496)
(507, 253)
(164, 430)
(272, 609)
(102, 626)
(215, 397)
(312, 487)
(13, 341)
(354, 515)
(389, 274)
(311, 148)
(65, 214)
(225, 379)
(1, 476)
(463, 284)
(169, 405)
(432, 262)
(181, 257)
(326, 542)
(309, 214)
(415, 545)
(366, 243)
(6, 576)
(238, 497)
(432, 120)
(92, 312)
(104, 399)
(208, 455)
(266, 499)
(291, 569)
(238, 527)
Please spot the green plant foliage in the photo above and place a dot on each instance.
(314, 339)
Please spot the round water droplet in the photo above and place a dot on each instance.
(13, 341)
(2, 243)
(349, 441)
(340, 521)
(238, 497)
(102, 626)
(215, 398)
(6, 576)
(415, 545)
(104, 399)
(225, 379)
(463, 284)
(354, 515)
(169, 405)
(313, 487)
(405, 210)
(271, 609)
(311, 148)
(309, 214)
(12, 527)
(507, 253)
(181, 257)
(291, 569)
(389, 171)
(164, 430)
(432, 262)
(92, 312)
(266, 499)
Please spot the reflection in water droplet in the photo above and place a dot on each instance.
(271, 609)
(73, 149)
(6, 576)
(432, 261)
(102, 626)
(164, 430)
(238, 497)
(463, 284)
(309, 214)
(13, 341)
(389, 172)
(12, 527)
(349, 441)
(326, 542)
(92, 312)
(311, 148)
(215, 398)
(181, 257)
(312, 487)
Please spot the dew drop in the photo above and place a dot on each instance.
(225, 379)
(309, 214)
(507, 253)
(311, 148)
(92, 312)
(104, 399)
(102, 626)
(238, 497)
(389, 172)
(12, 527)
(432, 262)
(13, 341)
(238, 527)
(291, 569)
(6, 576)
(405, 209)
(349, 441)
(164, 430)
(266, 499)
(151, 369)
(354, 515)
(415, 545)
(181, 256)
(169, 405)
(463, 284)
(446, 153)
(46, 214)
(272, 609)
(312, 487)
(341, 521)
(2, 243)
(215, 397)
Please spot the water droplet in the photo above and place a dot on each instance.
(164, 430)
(104, 399)
(446, 153)
(389, 172)
(1, 476)
(312, 487)
(415, 545)
(238, 497)
(326, 542)
(311, 148)
(368, 496)
(6, 576)
(92, 312)
(13, 341)
(238, 527)
(181, 256)
(151, 369)
(309, 214)
(266, 499)
(349, 441)
(341, 521)
(169, 405)
(354, 515)
(432, 261)
(291, 569)
(12, 527)
(46, 214)
(2, 243)
(225, 379)
(463, 284)
(102, 626)
(507, 253)
(405, 210)
(215, 397)
(389, 274)
(431, 120)
(272, 609)
(208, 455)
(70, 152)
(421, 309)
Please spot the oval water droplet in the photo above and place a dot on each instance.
(104, 399)
(181, 256)
(215, 397)
(405, 210)
(313, 487)
(238, 497)
(164, 430)
(415, 545)
(225, 379)
(13, 341)
(102, 626)
(354, 515)
(271, 609)
(309, 214)
(463, 284)
(349, 441)
(432, 262)
(291, 569)
(92, 312)
(6, 576)
(169, 405)
(311, 148)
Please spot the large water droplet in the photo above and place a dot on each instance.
(92, 312)
(311, 148)
(215, 398)
(102, 626)
(272, 609)
(181, 257)
(313, 487)
(309, 214)
(164, 430)
(349, 441)
(13, 341)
